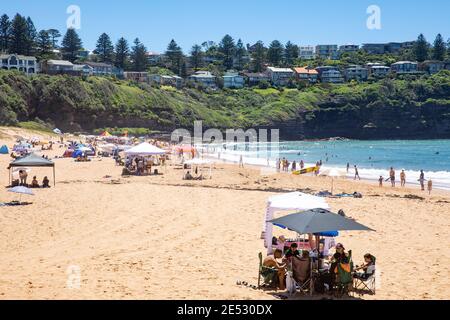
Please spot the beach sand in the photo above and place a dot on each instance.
(159, 237)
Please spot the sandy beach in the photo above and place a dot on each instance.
(159, 237)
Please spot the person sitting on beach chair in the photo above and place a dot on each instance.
(292, 252)
(341, 269)
(365, 280)
(273, 272)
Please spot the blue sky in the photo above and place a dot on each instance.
(156, 22)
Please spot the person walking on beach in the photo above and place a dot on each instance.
(356, 173)
(422, 180)
(302, 164)
(348, 167)
(403, 178)
(380, 181)
(392, 177)
(241, 162)
(278, 165)
(430, 186)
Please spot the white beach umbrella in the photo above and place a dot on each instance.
(333, 173)
(21, 190)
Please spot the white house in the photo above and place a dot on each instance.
(204, 77)
(280, 76)
(307, 52)
(233, 80)
(18, 62)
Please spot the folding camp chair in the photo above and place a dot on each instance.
(301, 273)
(268, 274)
(344, 277)
(362, 285)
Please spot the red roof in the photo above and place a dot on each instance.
(302, 70)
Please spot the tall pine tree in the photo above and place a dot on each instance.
(227, 48)
(44, 44)
(421, 49)
(70, 45)
(18, 35)
(5, 28)
(240, 55)
(122, 53)
(139, 56)
(439, 48)
(31, 37)
(291, 52)
(174, 55)
(104, 48)
(275, 53)
(196, 57)
(54, 36)
(258, 56)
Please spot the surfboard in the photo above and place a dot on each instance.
(305, 171)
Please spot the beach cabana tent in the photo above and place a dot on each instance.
(144, 149)
(4, 150)
(32, 160)
(333, 173)
(294, 201)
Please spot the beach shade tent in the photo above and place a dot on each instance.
(201, 163)
(22, 147)
(32, 161)
(4, 150)
(317, 221)
(294, 201)
(21, 190)
(333, 173)
(144, 149)
(77, 153)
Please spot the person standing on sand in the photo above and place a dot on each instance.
(381, 181)
(392, 177)
(348, 167)
(430, 186)
(356, 173)
(302, 164)
(403, 178)
(241, 162)
(294, 166)
(278, 165)
(422, 180)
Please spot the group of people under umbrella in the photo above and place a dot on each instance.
(305, 263)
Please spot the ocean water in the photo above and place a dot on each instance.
(373, 158)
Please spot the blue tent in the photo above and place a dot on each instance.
(77, 153)
(4, 150)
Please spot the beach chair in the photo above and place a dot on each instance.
(362, 285)
(267, 274)
(344, 277)
(301, 269)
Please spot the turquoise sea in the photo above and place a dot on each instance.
(373, 158)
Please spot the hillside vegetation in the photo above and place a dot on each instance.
(403, 108)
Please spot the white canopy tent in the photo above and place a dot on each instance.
(144, 149)
(294, 201)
